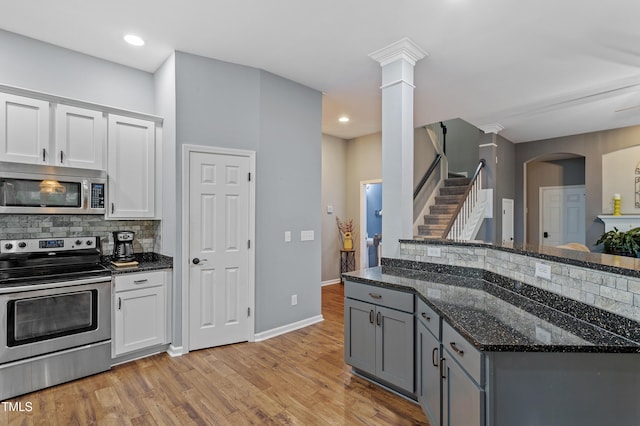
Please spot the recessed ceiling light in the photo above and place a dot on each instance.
(134, 40)
(343, 119)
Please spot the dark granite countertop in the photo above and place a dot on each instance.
(146, 262)
(496, 314)
(623, 265)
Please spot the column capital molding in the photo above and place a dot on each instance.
(492, 128)
(404, 48)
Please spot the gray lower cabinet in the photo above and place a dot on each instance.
(462, 398)
(428, 389)
(379, 339)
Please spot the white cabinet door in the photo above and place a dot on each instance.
(80, 138)
(140, 319)
(131, 168)
(24, 129)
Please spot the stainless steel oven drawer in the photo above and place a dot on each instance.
(28, 375)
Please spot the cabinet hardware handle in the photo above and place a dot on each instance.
(375, 295)
(424, 315)
(371, 316)
(140, 281)
(455, 348)
(44, 155)
(434, 357)
(442, 368)
(119, 303)
(113, 207)
(61, 157)
(378, 319)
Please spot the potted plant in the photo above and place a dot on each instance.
(621, 242)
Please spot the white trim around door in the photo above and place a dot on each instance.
(184, 258)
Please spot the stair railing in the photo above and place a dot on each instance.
(427, 175)
(463, 212)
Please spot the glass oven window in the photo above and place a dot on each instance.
(40, 193)
(42, 318)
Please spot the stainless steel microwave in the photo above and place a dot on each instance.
(37, 189)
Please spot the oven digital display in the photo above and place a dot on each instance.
(49, 244)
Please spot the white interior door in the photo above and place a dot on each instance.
(507, 220)
(562, 215)
(219, 230)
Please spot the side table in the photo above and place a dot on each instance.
(347, 262)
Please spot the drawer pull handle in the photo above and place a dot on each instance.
(44, 155)
(378, 319)
(424, 315)
(455, 348)
(443, 368)
(375, 295)
(371, 316)
(434, 357)
(140, 281)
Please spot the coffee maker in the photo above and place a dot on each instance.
(123, 246)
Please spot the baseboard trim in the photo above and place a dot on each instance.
(329, 282)
(174, 351)
(259, 337)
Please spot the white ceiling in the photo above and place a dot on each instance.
(540, 68)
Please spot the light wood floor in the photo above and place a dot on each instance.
(296, 378)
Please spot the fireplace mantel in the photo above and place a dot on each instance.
(623, 222)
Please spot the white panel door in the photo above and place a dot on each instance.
(562, 218)
(24, 129)
(80, 138)
(218, 248)
(507, 220)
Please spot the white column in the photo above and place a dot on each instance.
(397, 61)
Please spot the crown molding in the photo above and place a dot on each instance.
(491, 128)
(404, 48)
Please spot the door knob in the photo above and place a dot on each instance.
(196, 260)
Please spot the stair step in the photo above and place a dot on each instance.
(434, 219)
(460, 181)
(453, 190)
(448, 199)
(443, 209)
(430, 230)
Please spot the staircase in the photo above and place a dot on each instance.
(435, 223)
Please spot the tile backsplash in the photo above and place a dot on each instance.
(147, 238)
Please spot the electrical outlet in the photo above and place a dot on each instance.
(287, 236)
(434, 251)
(543, 271)
(294, 299)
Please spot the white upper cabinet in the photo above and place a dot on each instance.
(24, 129)
(131, 168)
(80, 138)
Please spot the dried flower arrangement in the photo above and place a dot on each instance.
(346, 233)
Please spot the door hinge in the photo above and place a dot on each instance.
(248, 244)
(248, 312)
(249, 176)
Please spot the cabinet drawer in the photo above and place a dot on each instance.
(138, 280)
(428, 317)
(394, 299)
(462, 351)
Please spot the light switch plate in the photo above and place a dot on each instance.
(287, 236)
(306, 236)
(329, 209)
(543, 271)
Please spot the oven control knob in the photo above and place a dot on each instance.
(22, 244)
(78, 242)
(89, 242)
(8, 246)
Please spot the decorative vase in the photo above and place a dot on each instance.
(347, 241)
(616, 205)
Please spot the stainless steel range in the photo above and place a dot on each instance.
(55, 313)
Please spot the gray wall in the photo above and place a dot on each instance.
(226, 105)
(334, 176)
(548, 173)
(34, 65)
(462, 146)
(589, 145)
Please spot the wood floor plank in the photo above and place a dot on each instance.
(298, 378)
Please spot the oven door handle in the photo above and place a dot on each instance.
(56, 285)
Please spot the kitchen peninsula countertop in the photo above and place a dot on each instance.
(495, 314)
(148, 261)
